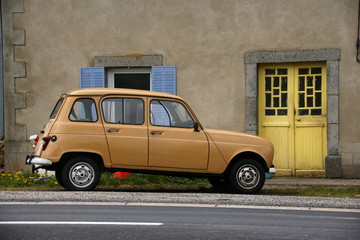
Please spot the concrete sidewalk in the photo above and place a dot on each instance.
(296, 182)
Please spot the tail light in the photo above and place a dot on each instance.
(36, 140)
(45, 142)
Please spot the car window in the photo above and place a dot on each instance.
(123, 110)
(83, 110)
(170, 114)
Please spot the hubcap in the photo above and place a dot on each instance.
(248, 176)
(81, 174)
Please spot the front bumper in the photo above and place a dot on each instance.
(31, 159)
(272, 169)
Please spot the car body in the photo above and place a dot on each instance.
(91, 130)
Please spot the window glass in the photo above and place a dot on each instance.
(123, 111)
(170, 114)
(83, 110)
(56, 108)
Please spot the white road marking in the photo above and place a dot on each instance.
(78, 223)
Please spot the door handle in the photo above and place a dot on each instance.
(112, 130)
(155, 133)
(298, 119)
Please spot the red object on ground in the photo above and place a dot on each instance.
(122, 174)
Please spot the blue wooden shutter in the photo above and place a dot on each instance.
(92, 77)
(164, 79)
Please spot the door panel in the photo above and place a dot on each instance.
(275, 113)
(177, 148)
(292, 114)
(173, 143)
(310, 119)
(126, 130)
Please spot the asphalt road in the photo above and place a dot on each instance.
(109, 221)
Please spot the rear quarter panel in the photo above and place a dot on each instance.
(75, 136)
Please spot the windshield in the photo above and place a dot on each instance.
(56, 108)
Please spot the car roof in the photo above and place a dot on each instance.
(119, 91)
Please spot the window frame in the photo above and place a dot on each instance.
(123, 104)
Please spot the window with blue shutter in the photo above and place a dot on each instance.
(92, 77)
(164, 79)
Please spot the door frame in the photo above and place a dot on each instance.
(332, 58)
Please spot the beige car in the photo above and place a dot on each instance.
(92, 130)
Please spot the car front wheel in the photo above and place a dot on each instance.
(80, 174)
(247, 176)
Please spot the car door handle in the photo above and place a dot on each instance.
(112, 130)
(155, 133)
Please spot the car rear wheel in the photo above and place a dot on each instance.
(58, 176)
(80, 174)
(247, 176)
(218, 184)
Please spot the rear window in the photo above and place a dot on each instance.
(56, 108)
(83, 110)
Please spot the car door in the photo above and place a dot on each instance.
(126, 130)
(173, 141)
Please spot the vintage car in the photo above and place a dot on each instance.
(93, 130)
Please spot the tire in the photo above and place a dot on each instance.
(80, 174)
(219, 184)
(58, 176)
(247, 176)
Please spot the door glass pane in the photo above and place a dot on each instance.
(282, 71)
(304, 112)
(316, 112)
(282, 112)
(133, 111)
(113, 110)
(268, 84)
(276, 102)
(283, 83)
(301, 100)
(170, 113)
(303, 71)
(318, 83)
(276, 82)
(269, 71)
(316, 70)
(301, 84)
(309, 81)
(318, 99)
(310, 102)
(284, 100)
(159, 115)
(270, 112)
(268, 99)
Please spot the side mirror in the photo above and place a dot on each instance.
(196, 127)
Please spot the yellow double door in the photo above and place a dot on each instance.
(292, 115)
